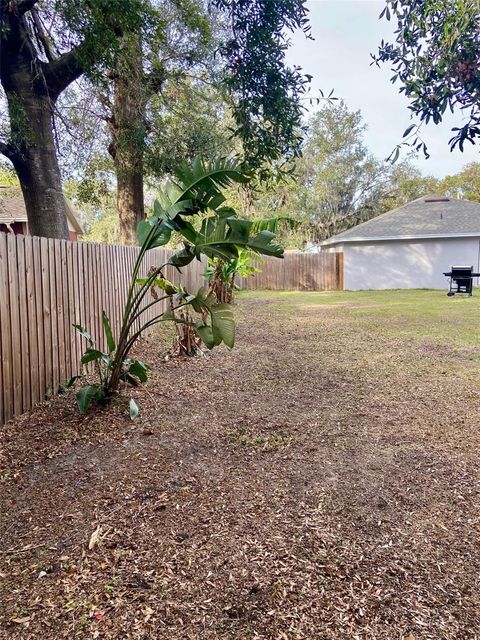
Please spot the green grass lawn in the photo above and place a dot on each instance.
(416, 313)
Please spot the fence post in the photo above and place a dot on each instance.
(340, 271)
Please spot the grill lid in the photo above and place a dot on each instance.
(462, 270)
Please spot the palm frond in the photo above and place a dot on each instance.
(274, 224)
(224, 237)
(202, 180)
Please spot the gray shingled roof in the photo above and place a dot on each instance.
(431, 215)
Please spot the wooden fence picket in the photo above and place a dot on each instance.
(298, 271)
(47, 286)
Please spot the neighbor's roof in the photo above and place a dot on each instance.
(427, 217)
(12, 209)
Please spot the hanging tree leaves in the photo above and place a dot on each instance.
(266, 93)
(436, 59)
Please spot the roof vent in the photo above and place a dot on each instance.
(437, 199)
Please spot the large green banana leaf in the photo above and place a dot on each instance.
(196, 190)
(223, 237)
(222, 327)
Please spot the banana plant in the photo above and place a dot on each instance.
(221, 273)
(196, 189)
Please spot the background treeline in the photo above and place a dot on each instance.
(334, 185)
(132, 89)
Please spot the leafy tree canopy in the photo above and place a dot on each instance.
(406, 183)
(337, 181)
(436, 59)
(128, 49)
(265, 92)
(465, 184)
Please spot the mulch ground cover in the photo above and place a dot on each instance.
(320, 481)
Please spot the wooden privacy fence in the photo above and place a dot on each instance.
(298, 270)
(48, 285)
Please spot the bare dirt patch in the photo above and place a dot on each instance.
(321, 481)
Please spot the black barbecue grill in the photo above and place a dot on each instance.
(461, 280)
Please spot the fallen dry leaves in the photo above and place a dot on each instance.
(321, 481)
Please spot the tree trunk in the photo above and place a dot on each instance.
(130, 204)
(39, 174)
(127, 128)
(218, 286)
(31, 96)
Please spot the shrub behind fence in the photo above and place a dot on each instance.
(47, 285)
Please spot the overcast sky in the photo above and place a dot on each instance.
(346, 32)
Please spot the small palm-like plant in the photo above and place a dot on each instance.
(196, 189)
(221, 275)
